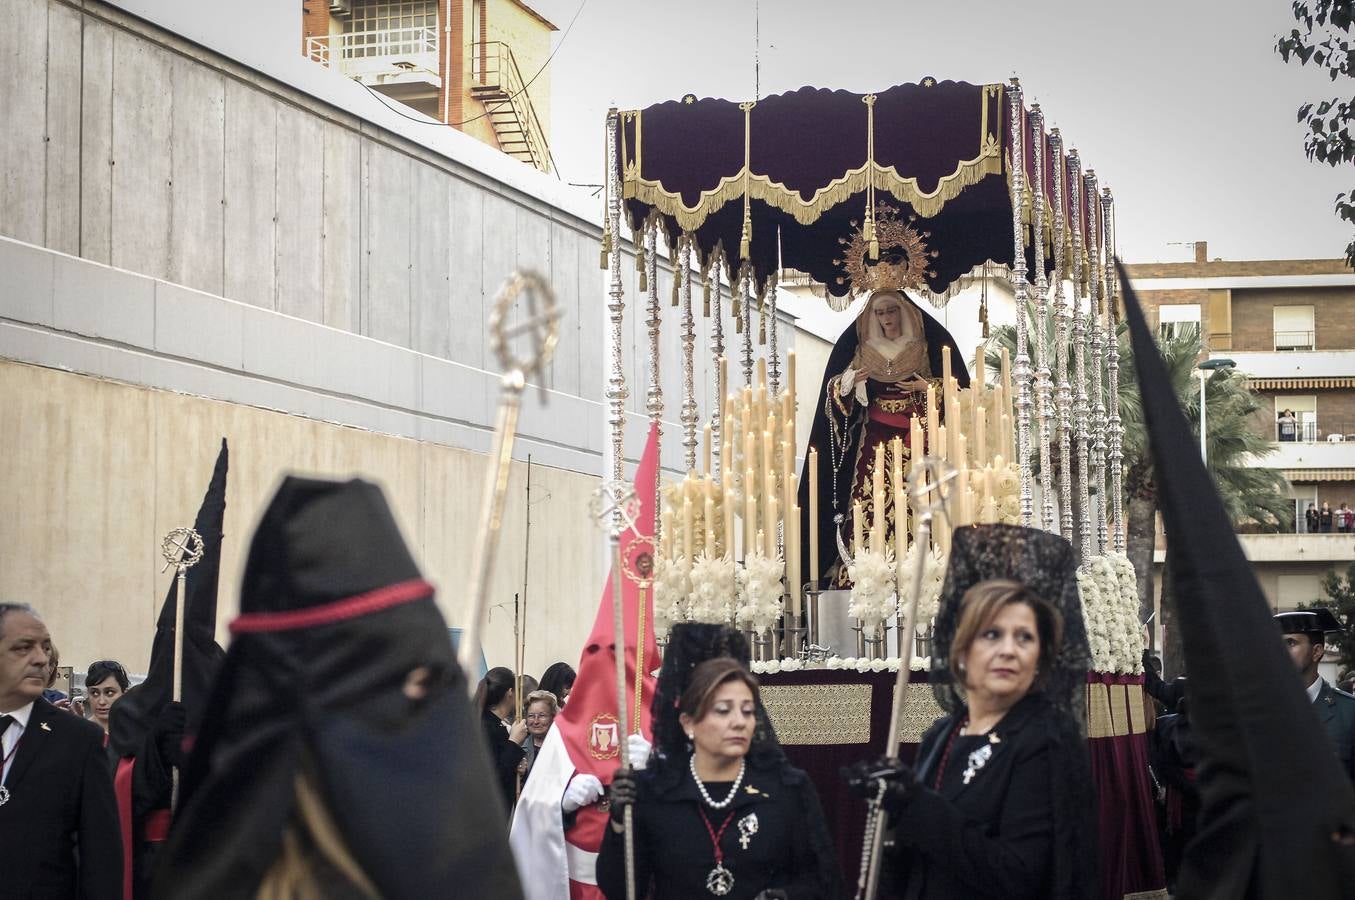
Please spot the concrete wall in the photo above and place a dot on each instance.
(97, 471)
(207, 251)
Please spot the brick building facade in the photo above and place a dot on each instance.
(1286, 324)
(479, 65)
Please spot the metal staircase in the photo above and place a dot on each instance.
(497, 83)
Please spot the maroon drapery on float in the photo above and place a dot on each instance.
(827, 719)
(1117, 739)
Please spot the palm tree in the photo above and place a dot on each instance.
(1254, 497)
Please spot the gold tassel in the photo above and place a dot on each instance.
(746, 238)
(762, 332)
(705, 299)
(738, 324)
(640, 264)
(606, 248)
(868, 232)
(677, 281)
(734, 308)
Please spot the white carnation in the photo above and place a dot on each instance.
(672, 586)
(873, 598)
(713, 590)
(760, 591)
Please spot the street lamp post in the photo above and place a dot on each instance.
(1205, 368)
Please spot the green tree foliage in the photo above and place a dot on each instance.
(1340, 596)
(1324, 39)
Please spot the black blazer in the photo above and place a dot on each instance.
(789, 850)
(59, 832)
(1022, 828)
(504, 755)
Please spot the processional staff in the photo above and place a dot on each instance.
(927, 488)
(542, 326)
(182, 549)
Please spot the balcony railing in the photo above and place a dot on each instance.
(1328, 431)
(396, 53)
(497, 82)
(1294, 340)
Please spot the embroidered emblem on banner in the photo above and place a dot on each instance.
(604, 736)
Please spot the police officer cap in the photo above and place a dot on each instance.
(1319, 620)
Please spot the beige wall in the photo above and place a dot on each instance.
(530, 40)
(97, 471)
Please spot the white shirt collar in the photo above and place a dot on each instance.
(1315, 688)
(21, 714)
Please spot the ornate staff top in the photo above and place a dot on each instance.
(181, 548)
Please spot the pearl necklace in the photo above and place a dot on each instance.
(701, 786)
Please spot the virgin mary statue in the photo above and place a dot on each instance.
(874, 384)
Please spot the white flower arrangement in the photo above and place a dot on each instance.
(672, 585)
(712, 594)
(892, 664)
(760, 591)
(933, 577)
(1007, 495)
(873, 598)
(1110, 608)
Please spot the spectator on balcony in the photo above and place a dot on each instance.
(1312, 518)
(1288, 425)
(1325, 517)
(1344, 517)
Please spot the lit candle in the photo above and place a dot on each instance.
(769, 506)
(945, 364)
(705, 453)
(1006, 429)
(688, 527)
(727, 444)
(749, 511)
(980, 436)
(932, 424)
(857, 526)
(710, 526)
(770, 549)
(939, 448)
(769, 460)
(723, 386)
(961, 449)
(877, 484)
(730, 501)
(980, 369)
(790, 379)
(814, 515)
(914, 442)
(793, 559)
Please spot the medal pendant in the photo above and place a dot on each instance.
(720, 881)
(4, 795)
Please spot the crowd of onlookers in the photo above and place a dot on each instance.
(105, 682)
(515, 739)
(1327, 520)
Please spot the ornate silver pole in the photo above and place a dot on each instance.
(1096, 313)
(746, 313)
(1061, 328)
(773, 357)
(617, 392)
(1115, 432)
(1018, 275)
(1080, 408)
(1042, 383)
(690, 417)
(717, 350)
(654, 394)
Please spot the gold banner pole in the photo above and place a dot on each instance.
(925, 486)
(542, 326)
(182, 549)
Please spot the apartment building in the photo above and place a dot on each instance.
(1288, 325)
(479, 65)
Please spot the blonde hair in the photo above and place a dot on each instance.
(311, 840)
(545, 697)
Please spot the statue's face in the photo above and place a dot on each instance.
(890, 316)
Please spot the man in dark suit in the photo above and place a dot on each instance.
(1304, 636)
(59, 837)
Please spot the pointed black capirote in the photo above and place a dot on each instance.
(1272, 792)
(135, 713)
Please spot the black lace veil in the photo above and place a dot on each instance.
(689, 645)
(1045, 563)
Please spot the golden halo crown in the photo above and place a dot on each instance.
(870, 265)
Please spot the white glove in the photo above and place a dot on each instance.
(582, 790)
(639, 751)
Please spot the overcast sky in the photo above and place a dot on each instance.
(1182, 107)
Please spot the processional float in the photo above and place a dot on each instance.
(940, 178)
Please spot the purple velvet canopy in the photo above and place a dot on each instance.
(799, 166)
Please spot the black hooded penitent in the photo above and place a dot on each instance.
(334, 617)
(1272, 792)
